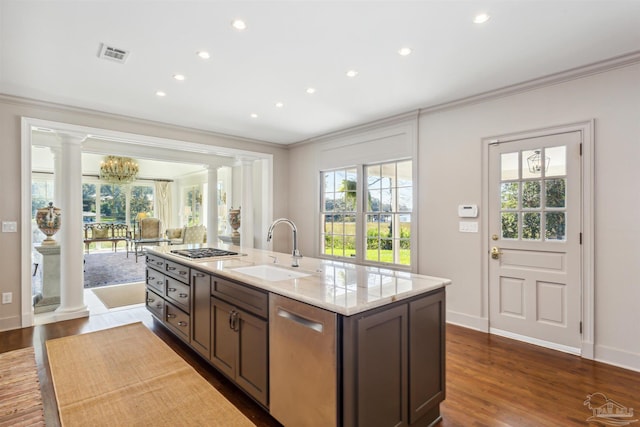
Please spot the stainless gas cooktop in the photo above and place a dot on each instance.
(204, 253)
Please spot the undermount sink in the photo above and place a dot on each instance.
(270, 272)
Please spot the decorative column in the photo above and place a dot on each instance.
(57, 167)
(212, 205)
(246, 219)
(71, 253)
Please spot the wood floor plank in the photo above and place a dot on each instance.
(491, 380)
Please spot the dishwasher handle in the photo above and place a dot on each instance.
(307, 323)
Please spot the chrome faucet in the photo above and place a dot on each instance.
(296, 253)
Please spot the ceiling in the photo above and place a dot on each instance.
(49, 51)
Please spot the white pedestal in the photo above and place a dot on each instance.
(50, 278)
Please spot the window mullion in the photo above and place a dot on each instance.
(361, 193)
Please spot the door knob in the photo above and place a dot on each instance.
(495, 252)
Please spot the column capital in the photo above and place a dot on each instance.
(71, 137)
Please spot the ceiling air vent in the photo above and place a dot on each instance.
(113, 53)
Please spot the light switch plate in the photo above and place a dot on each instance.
(9, 227)
(468, 227)
(7, 297)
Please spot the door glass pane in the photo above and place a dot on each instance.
(555, 226)
(557, 160)
(509, 225)
(509, 195)
(533, 162)
(531, 226)
(556, 193)
(531, 194)
(509, 166)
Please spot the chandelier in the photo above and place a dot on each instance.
(118, 170)
(536, 162)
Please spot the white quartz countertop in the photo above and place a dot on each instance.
(340, 287)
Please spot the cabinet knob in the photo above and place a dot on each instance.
(171, 268)
(199, 275)
(183, 295)
(171, 289)
(152, 278)
(150, 300)
(181, 323)
(159, 263)
(182, 273)
(171, 316)
(159, 282)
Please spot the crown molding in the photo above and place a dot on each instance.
(401, 118)
(52, 106)
(540, 82)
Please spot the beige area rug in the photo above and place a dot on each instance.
(126, 376)
(121, 295)
(20, 398)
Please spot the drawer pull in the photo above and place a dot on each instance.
(159, 263)
(159, 305)
(182, 273)
(171, 316)
(183, 295)
(181, 323)
(152, 278)
(150, 300)
(171, 268)
(199, 275)
(171, 289)
(159, 282)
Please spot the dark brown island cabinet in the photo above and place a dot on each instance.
(388, 366)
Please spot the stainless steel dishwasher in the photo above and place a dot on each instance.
(302, 364)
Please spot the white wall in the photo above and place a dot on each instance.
(450, 173)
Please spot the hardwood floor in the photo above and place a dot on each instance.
(491, 381)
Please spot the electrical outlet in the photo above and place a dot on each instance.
(7, 297)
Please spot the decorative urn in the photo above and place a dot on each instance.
(48, 221)
(234, 221)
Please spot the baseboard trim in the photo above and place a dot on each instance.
(616, 357)
(540, 343)
(467, 321)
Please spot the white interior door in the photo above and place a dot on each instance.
(535, 237)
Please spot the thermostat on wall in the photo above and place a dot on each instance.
(467, 211)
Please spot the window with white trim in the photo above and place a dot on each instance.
(368, 219)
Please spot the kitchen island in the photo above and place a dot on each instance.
(327, 343)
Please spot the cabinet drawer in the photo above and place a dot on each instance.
(155, 262)
(155, 304)
(252, 300)
(177, 320)
(179, 293)
(155, 280)
(177, 271)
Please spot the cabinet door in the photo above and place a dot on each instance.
(252, 365)
(426, 355)
(201, 312)
(382, 368)
(223, 338)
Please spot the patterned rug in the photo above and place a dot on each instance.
(112, 268)
(20, 397)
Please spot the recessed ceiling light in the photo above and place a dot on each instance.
(352, 73)
(311, 90)
(404, 51)
(161, 93)
(203, 54)
(239, 24)
(481, 18)
(254, 115)
(179, 77)
(279, 104)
